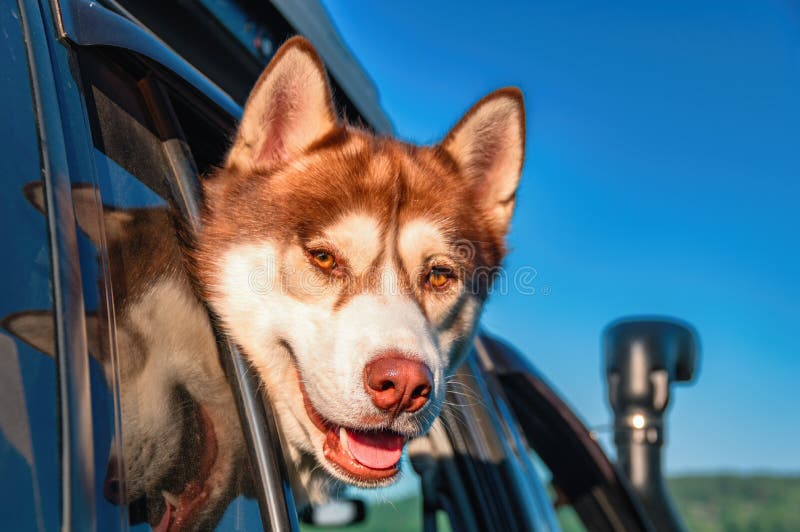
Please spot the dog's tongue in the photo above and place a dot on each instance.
(166, 519)
(376, 450)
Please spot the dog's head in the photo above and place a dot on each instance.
(350, 268)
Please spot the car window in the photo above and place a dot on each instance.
(182, 458)
(133, 191)
(29, 467)
(139, 241)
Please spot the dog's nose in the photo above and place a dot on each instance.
(397, 383)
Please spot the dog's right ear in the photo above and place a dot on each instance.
(289, 108)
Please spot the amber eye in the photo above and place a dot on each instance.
(438, 277)
(323, 259)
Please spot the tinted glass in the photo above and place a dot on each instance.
(29, 474)
(183, 460)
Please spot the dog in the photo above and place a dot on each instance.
(351, 268)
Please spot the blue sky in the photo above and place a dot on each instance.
(662, 177)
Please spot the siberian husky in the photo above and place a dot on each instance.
(351, 268)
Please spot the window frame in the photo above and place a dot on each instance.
(168, 72)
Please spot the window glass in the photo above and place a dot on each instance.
(182, 459)
(161, 329)
(29, 471)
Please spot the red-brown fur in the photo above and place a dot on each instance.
(294, 172)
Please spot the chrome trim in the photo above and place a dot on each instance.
(72, 359)
(276, 502)
(88, 23)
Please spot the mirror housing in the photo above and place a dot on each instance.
(643, 357)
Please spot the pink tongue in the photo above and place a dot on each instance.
(163, 524)
(376, 450)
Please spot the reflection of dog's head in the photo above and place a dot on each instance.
(182, 445)
(351, 268)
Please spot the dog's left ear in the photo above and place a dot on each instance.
(488, 145)
(288, 109)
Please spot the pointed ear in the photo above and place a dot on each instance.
(37, 329)
(289, 108)
(34, 193)
(488, 145)
(34, 327)
(84, 201)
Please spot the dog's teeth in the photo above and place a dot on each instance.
(343, 437)
(170, 498)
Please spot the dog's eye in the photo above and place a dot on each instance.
(323, 259)
(438, 278)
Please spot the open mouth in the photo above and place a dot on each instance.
(364, 456)
(181, 509)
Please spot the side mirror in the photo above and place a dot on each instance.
(341, 512)
(643, 358)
